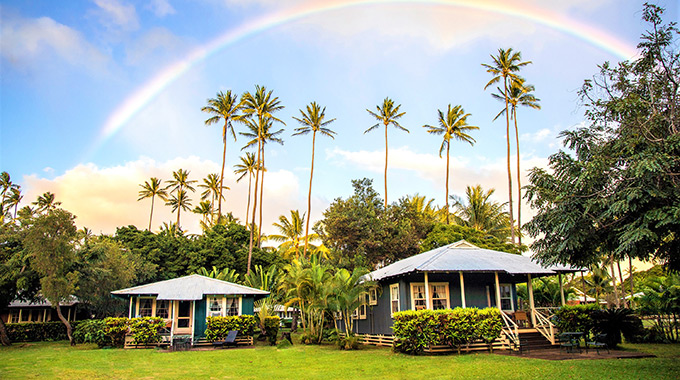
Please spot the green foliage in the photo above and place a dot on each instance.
(146, 330)
(346, 342)
(38, 331)
(615, 322)
(416, 330)
(661, 300)
(271, 329)
(219, 327)
(443, 234)
(576, 318)
(116, 329)
(92, 331)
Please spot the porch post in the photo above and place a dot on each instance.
(498, 291)
(68, 316)
(427, 292)
(559, 279)
(130, 312)
(530, 288)
(462, 290)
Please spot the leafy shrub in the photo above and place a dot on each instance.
(116, 329)
(271, 326)
(219, 327)
(92, 331)
(489, 325)
(460, 327)
(38, 331)
(348, 342)
(577, 318)
(415, 330)
(613, 322)
(146, 330)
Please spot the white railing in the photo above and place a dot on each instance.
(544, 326)
(510, 330)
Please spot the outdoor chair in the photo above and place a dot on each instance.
(568, 342)
(599, 342)
(229, 341)
(521, 319)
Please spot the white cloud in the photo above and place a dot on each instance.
(161, 8)
(28, 44)
(155, 46)
(115, 15)
(104, 198)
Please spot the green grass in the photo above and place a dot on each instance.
(57, 360)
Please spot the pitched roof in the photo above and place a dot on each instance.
(465, 257)
(42, 302)
(188, 288)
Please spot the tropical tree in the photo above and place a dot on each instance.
(520, 94)
(205, 210)
(291, 234)
(313, 120)
(263, 278)
(387, 114)
(453, 125)
(180, 200)
(224, 107)
(599, 282)
(13, 199)
(349, 292)
(260, 108)
(504, 68)
(248, 166)
(225, 274)
(46, 202)
(152, 189)
(6, 185)
(212, 191)
(478, 211)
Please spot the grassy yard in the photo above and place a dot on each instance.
(59, 361)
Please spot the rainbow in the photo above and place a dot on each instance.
(149, 90)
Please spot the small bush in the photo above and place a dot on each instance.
(489, 325)
(348, 342)
(116, 329)
(577, 318)
(146, 330)
(271, 326)
(218, 327)
(92, 331)
(614, 322)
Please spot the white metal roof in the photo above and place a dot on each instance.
(189, 288)
(465, 257)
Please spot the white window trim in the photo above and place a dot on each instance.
(153, 306)
(361, 311)
(373, 296)
(395, 286)
(223, 298)
(428, 302)
(512, 301)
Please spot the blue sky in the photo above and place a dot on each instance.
(67, 67)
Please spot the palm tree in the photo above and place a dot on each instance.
(312, 121)
(225, 274)
(13, 199)
(261, 106)
(520, 95)
(247, 166)
(7, 185)
(46, 202)
(212, 184)
(453, 125)
(387, 114)
(151, 190)
(291, 234)
(225, 107)
(205, 210)
(180, 201)
(478, 211)
(504, 67)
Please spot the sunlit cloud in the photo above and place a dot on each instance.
(115, 15)
(161, 8)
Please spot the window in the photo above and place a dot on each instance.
(14, 316)
(232, 306)
(439, 295)
(184, 314)
(214, 306)
(145, 307)
(418, 296)
(373, 296)
(361, 311)
(162, 309)
(394, 298)
(25, 316)
(506, 297)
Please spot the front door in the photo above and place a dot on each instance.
(183, 317)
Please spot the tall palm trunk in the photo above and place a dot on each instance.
(447, 181)
(250, 181)
(252, 225)
(259, 228)
(309, 197)
(583, 283)
(385, 166)
(507, 138)
(69, 330)
(623, 290)
(519, 182)
(616, 289)
(224, 158)
(630, 279)
(151, 216)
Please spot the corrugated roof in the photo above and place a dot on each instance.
(41, 302)
(188, 288)
(465, 257)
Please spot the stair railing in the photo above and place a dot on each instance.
(510, 330)
(544, 326)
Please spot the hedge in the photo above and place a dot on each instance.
(577, 318)
(38, 331)
(416, 330)
(92, 331)
(146, 330)
(219, 327)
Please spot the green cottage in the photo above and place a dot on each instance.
(186, 302)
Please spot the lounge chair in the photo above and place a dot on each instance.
(229, 341)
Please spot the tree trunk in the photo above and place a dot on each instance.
(448, 146)
(224, 158)
(250, 181)
(294, 322)
(630, 279)
(309, 196)
(385, 167)
(616, 289)
(623, 290)
(519, 181)
(583, 283)
(151, 216)
(4, 337)
(252, 224)
(69, 330)
(259, 227)
(507, 138)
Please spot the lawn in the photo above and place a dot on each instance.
(59, 361)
